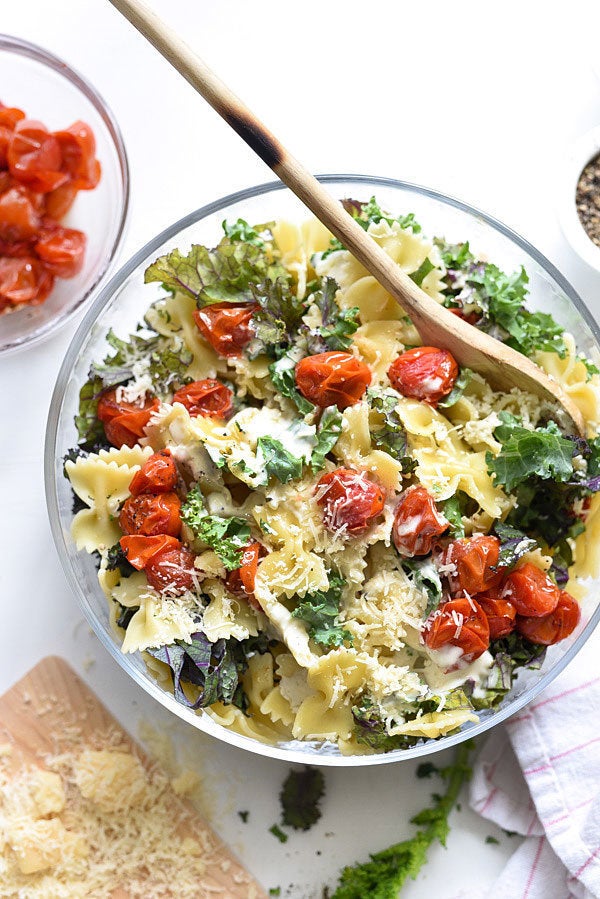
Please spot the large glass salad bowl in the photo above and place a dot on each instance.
(123, 303)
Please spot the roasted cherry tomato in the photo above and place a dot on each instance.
(226, 326)
(350, 501)
(172, 571)
(472, 562)
(78, 150)
(241, 580)
(332, 379)
(9, 116)
(19, 219)
(59, 201)
(62, 251)
(555, 626)
(34, 157)
(209, 398)
(425, 373)
(471, 317)
(531, 591)
(417, 522)
(124, 423)
(158, 474)
(139, 549)
(460, 622)
(23, 280)
(150, 514)
(500, 613)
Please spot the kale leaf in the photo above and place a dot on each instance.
(513, 544)
(283, 376)
(543, 452)
(424, 575)
(337, 325)
(464, 376)
(390, 436)
(384, 874)
(371, 213)
(242, 231)
(224, 274)
(455, 508)
(423, 270)
(215, 668)
(277, 460)
(117, 560)
(300, 796)
(320, 610)
(277, 318)
(330, 428)
(228, 537)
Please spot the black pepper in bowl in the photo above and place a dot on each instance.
(587, 199)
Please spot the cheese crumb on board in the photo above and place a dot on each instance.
(96, 823)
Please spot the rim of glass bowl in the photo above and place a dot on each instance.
(50, 471)
(40, 54)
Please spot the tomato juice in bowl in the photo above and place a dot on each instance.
(50, 92)
(119, 308)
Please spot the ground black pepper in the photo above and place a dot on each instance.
(587, 199)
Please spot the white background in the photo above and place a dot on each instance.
(480, 100)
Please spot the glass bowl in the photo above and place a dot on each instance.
(47, 89)
(122, 303)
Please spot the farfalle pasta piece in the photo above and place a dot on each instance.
(101, 480)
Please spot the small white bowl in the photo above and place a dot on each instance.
(579, 154)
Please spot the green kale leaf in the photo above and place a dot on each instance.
(425, 576)
(242, 231)
(277, 319)
(390, 436)
(385, 873)
(330, 428)
(283, 376)
(371, 213)
(116, 560)
(464, 376)
(228, 537)
(423, 270)
(455, 508)
(513, 544)
(300, 796)
(277, 461)
(337, 325)
(224, 274)
(320, 610)
(543, 452)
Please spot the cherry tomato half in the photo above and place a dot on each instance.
(158, 474)
(23, 280)
(350, 501)
(531, 591)
(124, 423)
(459, 622)
(9, 116)
(172, 571)
(59, 201)
(62, 251)
(474, 560)
(78, 150)
(500, 613)
(226, 326)
(139, 549)
(150, 514)
(241, 580)
(425, 373)
(551, 628)
(332, 379)
(19, 219)
(209, 398)
(34, 157)
(417, 522)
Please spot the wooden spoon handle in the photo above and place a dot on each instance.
(502, 366)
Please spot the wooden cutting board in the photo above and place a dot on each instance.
(51, 709)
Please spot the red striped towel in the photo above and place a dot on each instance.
(539, 775)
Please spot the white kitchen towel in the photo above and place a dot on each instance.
(539, 775)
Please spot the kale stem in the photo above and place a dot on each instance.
(383, 876)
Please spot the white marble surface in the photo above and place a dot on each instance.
(478, 100)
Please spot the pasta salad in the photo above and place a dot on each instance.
(312, 526)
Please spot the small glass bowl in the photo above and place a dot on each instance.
(47, 89)
(123, 302)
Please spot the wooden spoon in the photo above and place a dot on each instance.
(502, 366)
